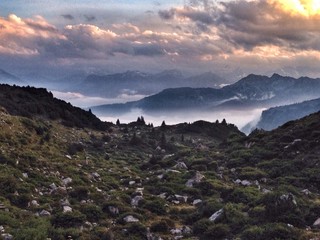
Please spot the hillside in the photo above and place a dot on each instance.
(187, 181)
(277, 116)
(38, 102)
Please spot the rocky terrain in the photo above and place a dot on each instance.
(135, 181)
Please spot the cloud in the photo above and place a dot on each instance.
(67, 16)
(89, 18)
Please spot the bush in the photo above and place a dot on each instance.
(68, 220)
(217, 231)
(92, 212)
(201, 226)
(253, 233)
(161, 226)
(156, 206)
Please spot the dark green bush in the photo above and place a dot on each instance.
(217, 231)
(161, 226)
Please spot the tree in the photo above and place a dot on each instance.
(118, 122)
(163, 124)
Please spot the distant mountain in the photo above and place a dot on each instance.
(8, 78)
(250, 92)
(277, 116)
(135, 82)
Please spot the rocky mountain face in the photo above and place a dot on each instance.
(277, 116)
(134, 82)
(134, 181)
(250, 92)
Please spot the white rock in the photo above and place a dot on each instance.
(113, 210)
(1, 229)
(317, 223)
(181, 166)
(196, 202)
(216, 215)
(130, 219)
(306, 192)
(67, 209)
(53, 186)
(44, 213)
(132, 183)
(34, 203)
(181, 198)
(135, 201)
(6, 236)
(25, 175)
(67, 181)
(64, 202)
(69, 157)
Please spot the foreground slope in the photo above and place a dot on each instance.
(132, 181)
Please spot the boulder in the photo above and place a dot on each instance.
(6, 236)
(181, 166)
(67, 209)
(180, 198)
(135, 201)
(44, 213)
(216, 215)
(64, 202)
(1, 229)
(196, 179)
(113, 210)
(316, 224)
(130, 219)
(196, 202)
(34, 203)
(66, 181)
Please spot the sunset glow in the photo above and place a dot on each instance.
(302, 7)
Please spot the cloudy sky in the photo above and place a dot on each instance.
(231, 38)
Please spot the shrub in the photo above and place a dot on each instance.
(217, 231)
(161, 226)
(253, 233)
(68, 220)
(156, 206)
(201, 226)
(92, 212)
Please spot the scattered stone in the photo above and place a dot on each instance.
(140, 191)
(95, 175)
(316, 224)
(216, 215)
(69, 157)
(132, 183)
(25, 175)
(44, 213)
(67, 181)
(160, 176)
(88, 225)
(130, 219)
(6, 236)
(64, 202)
(1, 229)
(113, 210)
(288, 198)
(67, 209)
(34, 203)
(135, 201)
(181, 166)
(162, 195)
(186, 230)
(196, 179)
(180, 198)
(53, 186)
(196, 202)
(176, 231)
(306, 192)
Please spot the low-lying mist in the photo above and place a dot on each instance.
(240, 118)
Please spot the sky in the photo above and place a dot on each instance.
(230, 38)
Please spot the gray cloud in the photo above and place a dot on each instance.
(89, 18)
(67, 16)
(167, 14)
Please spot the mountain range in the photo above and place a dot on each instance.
(135, 82)
(250, 92)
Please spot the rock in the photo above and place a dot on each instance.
(176, 231)
(69, 157)
(288, 198)
(6, 236)
(66, 181)
(216, 215)
(95, 175)
(196, 202)
(34, 203)
(25, 175)
(162, 195)
(132, 183)
(196, 179)
(186, 230)
(44, 213)
(160, 176)
(113, 210)
(67, 209)
(140, 191)
(64, 202)
(1, 229)
(181, 166)
(180, 198)
(306, 192)
(130, 219)
(88, 225)
(316, 224)
(135, 201)
(53, 186)
(246, 183)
